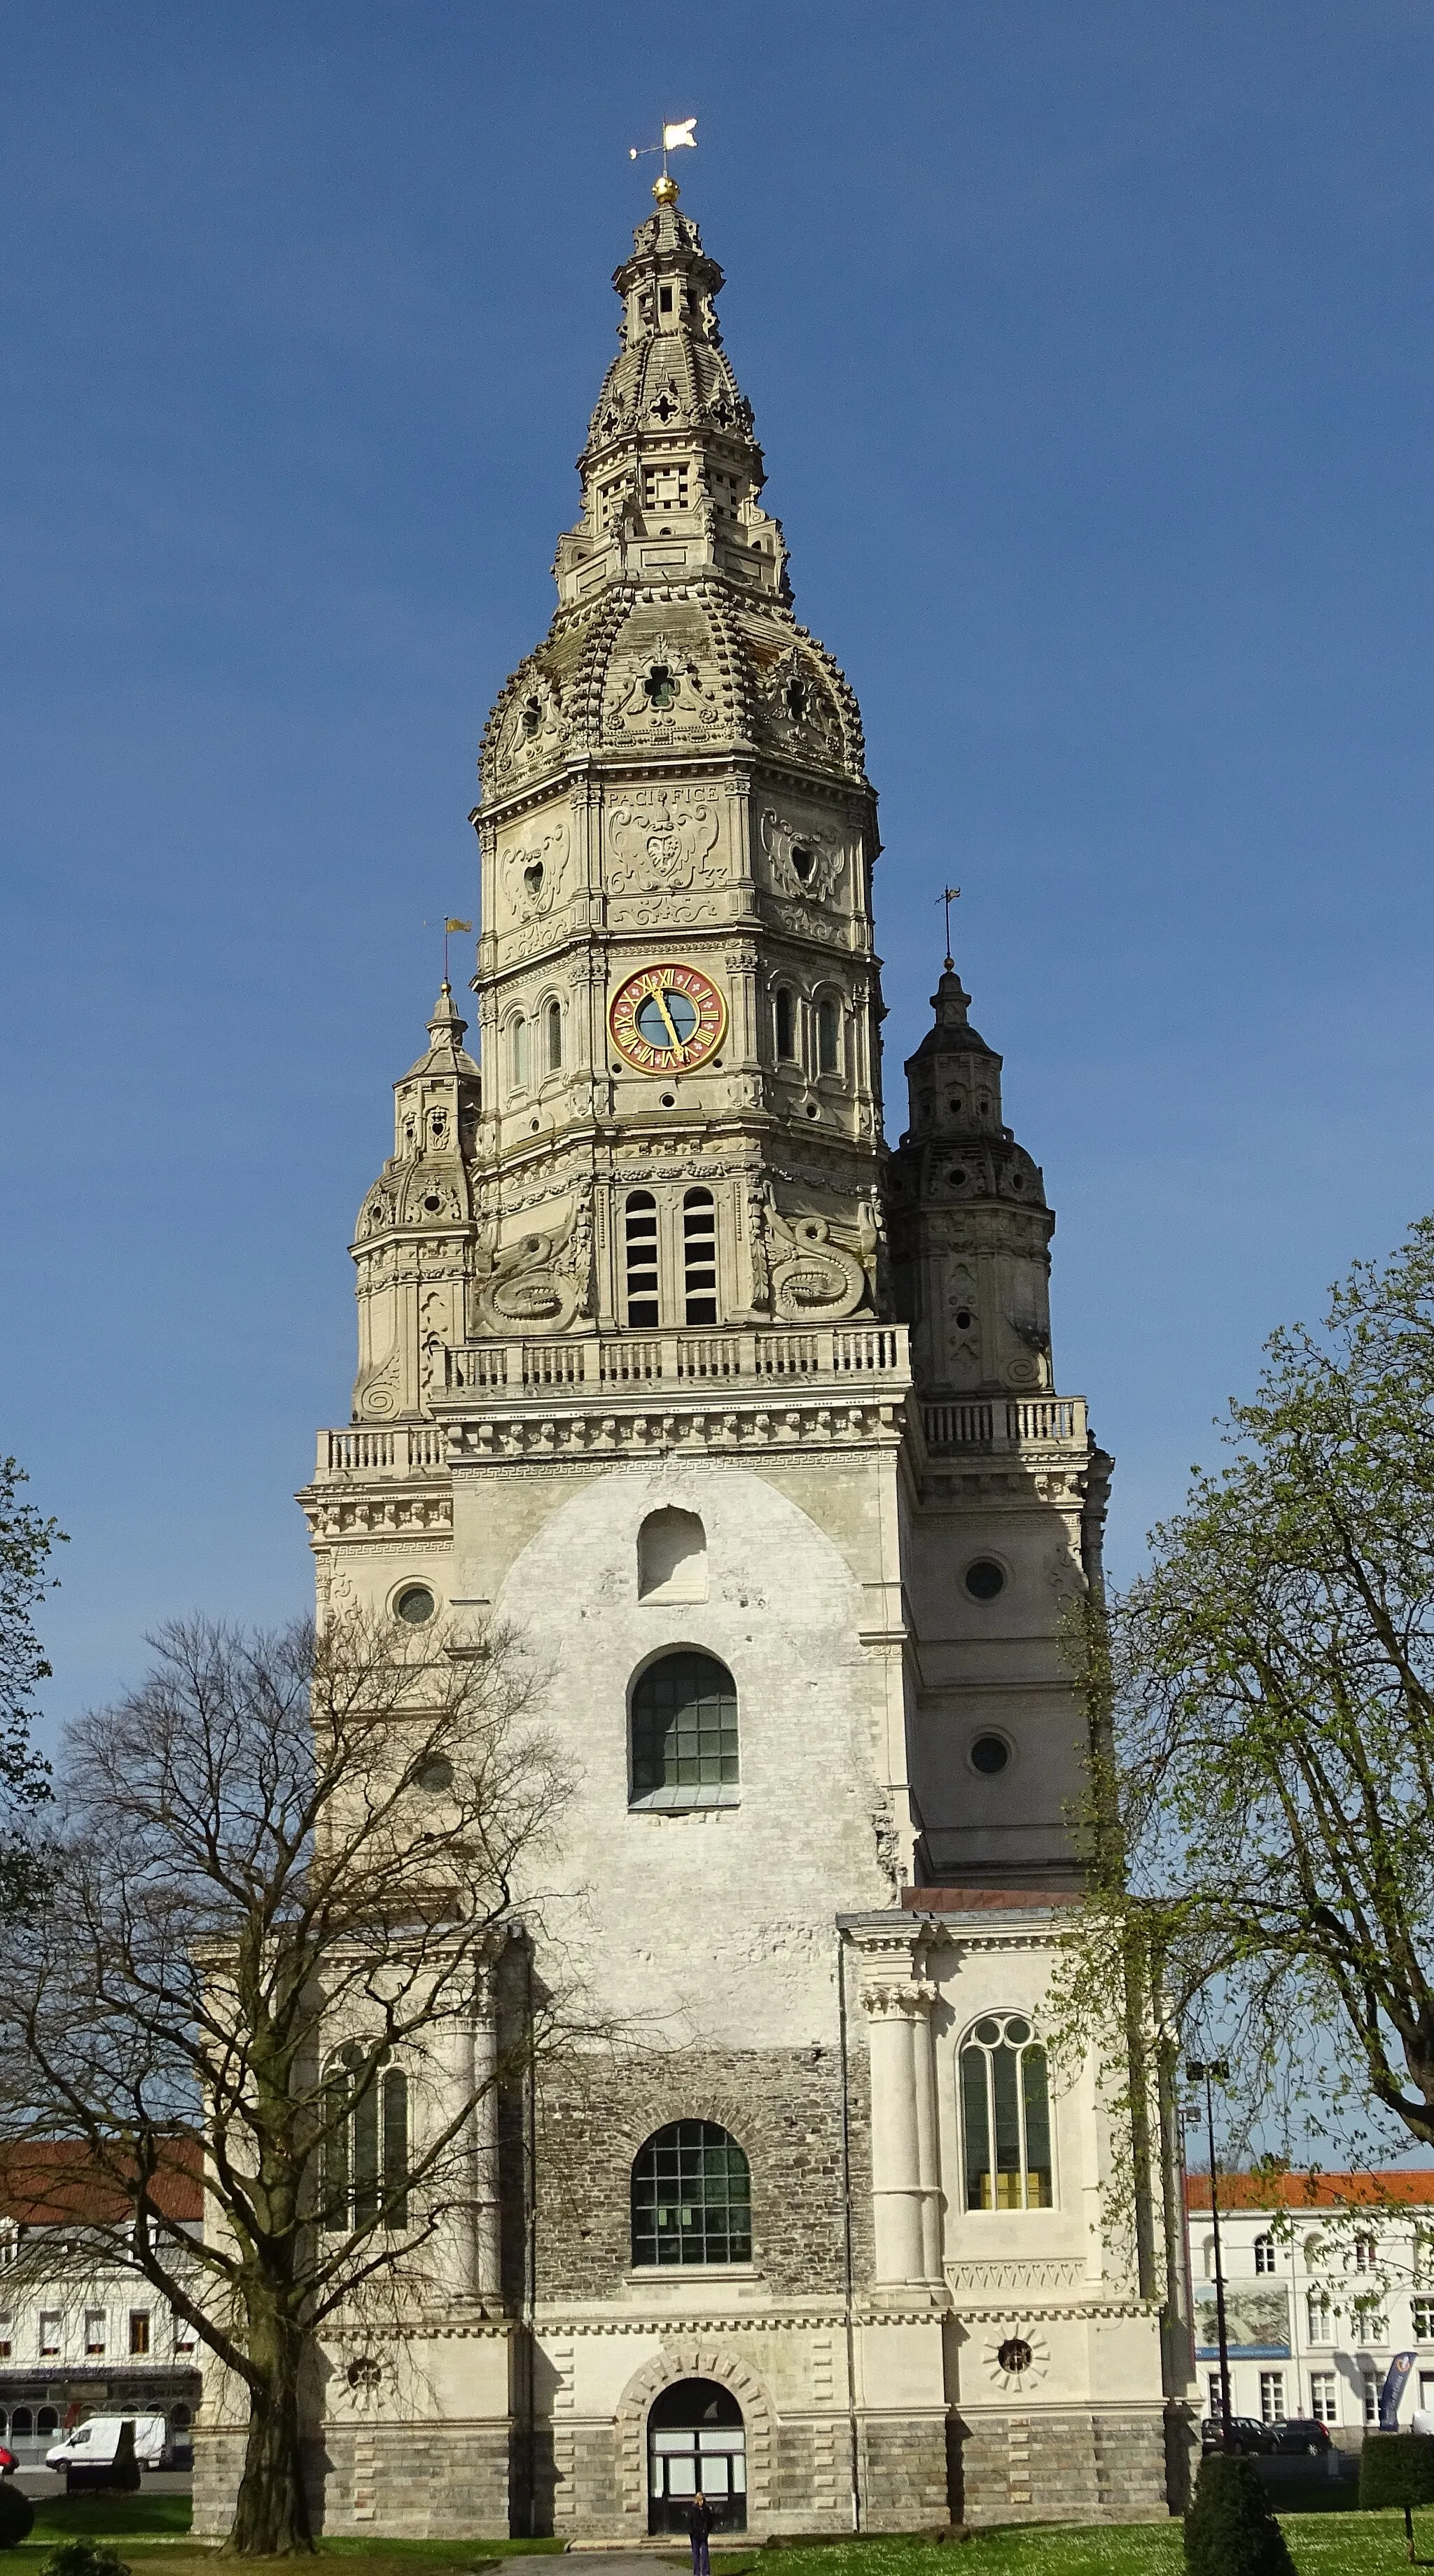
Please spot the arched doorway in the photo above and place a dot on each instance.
(696, 2443)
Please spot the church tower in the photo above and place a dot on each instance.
(752, 1431)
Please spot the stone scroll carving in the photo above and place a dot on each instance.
(802, 1271)
(542, 1283)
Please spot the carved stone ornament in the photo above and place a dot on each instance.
(799, 711)
(658, 693)
(542, 1283)
(531, 734)
(533, 874)
(809, 1276)
(660, 839)
(377, 1392)
(804, 864)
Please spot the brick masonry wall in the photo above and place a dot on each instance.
(1067, 2466)
(783, 2106)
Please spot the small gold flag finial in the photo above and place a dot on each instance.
(681, 137)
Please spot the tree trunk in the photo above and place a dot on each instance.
(271, 2517)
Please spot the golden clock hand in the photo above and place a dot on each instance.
(667, 1020)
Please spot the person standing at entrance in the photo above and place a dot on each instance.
(699, 2524)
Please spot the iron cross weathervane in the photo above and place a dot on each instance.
(948, 896)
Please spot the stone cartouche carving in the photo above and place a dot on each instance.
(530, 736)
(660, 839)
(533, 874)
(803, 862)
(799, 711)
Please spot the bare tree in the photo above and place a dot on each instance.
(280, 1868)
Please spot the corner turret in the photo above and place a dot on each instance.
(970, 1228)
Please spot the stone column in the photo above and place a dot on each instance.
(467, 2247)
(487, 2246)
(905, 2183)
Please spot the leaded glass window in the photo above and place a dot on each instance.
(1006, 2115)
(684, 1734)
(691, 2197)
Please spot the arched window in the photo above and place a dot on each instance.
(641, 1224)
(1006, 2115)
(829, 1049)
(699, 1257)
(518, 1052)
(786, 1024)
(672, 1557)
(553, 1021)
(366, 2145)
(684, 1734)
(691, 2197)
(1264, 2253)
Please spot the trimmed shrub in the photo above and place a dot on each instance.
(1397, 2468)
(84, 2558)
(17, 2515)
(1230, 2529)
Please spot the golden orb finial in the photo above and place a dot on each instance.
(666, 190)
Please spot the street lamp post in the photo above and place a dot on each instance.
(1216, 2070)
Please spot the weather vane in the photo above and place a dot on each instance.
(451, 925)
(675, 138)
(948, 896)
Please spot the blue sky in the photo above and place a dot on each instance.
(1091, 352)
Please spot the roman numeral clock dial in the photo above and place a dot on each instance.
(667, 1019)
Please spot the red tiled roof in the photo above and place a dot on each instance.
(1402, 2189)
(55, 2182)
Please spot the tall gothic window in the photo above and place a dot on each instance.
(553, 1018)
(699, 1257)
(640, 1216)
(1006, 2115)
(691, 2197)
(366, 2150)
(518, 1052)
(684, 1734)
(829, 1034)
(786, 1023)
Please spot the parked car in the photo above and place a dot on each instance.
(1299, 2433)
(8, 2462)
(1246, 2434)
(93, 2444)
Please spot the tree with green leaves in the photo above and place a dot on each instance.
(1261, 1706)
(280, 1896)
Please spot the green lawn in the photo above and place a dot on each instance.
(153, 2535)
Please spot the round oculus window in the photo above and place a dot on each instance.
(415, 1604)
(985, 1579)
(435, 1775)
(990, 1754)
(1015, 2354)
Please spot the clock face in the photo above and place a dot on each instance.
(667, 1019)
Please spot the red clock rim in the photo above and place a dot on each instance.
(669, 967)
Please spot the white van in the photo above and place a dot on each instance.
(93, 2444)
